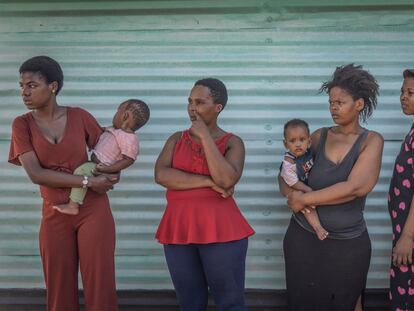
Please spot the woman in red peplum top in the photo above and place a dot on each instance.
(203, 232)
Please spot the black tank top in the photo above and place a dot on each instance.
(342, 221)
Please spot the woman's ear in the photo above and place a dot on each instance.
(360, 104)
(53, 87)
(219, 107)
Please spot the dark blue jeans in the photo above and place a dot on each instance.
(196, 268)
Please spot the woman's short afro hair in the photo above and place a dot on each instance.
(47, 67)
(217, 88)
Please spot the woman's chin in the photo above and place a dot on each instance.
(407, 112)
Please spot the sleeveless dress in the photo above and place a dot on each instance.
(399, 202)
(199, 215)
(328, 275)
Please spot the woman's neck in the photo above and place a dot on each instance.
(48, 113)
(214, 130)
(349, 129)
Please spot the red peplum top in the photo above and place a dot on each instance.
(199, 215)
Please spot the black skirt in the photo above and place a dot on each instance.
(326, 275)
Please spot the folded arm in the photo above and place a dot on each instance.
(225, 170)
(360, 182)
(175, 179)
(54, 179)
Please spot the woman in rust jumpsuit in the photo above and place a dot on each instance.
(49, 142)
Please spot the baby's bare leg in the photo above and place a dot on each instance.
(313, 220)
(358, 306)
(77, 195)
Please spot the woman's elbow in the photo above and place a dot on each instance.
(34, 172)
(361, 190)
(35, 178)
(158, 178)
(226, 183)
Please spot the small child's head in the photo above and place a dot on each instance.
(131, 115)
(296, 137)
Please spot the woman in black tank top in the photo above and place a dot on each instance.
(330, 275)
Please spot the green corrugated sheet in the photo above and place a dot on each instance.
(272, 55)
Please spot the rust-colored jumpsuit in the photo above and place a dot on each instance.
(66, 241)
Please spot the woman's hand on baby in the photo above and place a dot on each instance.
(225, 193)
(103, 182)
(295, 202)
(307, 209)
(402, 252)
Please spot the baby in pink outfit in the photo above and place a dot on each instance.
(117, 149)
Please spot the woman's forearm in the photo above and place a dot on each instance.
(47, 177)
(175, 179)
(341, 200)
(408, 229)
(336, 194)
(55, 179)
(221, 171)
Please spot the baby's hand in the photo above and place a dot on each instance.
(101, 167)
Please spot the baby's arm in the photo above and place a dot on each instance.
(289, 174)
(116, 166)
(301, 186)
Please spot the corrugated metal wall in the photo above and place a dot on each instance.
(272, 55)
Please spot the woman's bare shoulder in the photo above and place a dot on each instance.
(373, 140)
(374, 137)
(235, 139)
(316, 135)
(175, 137)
